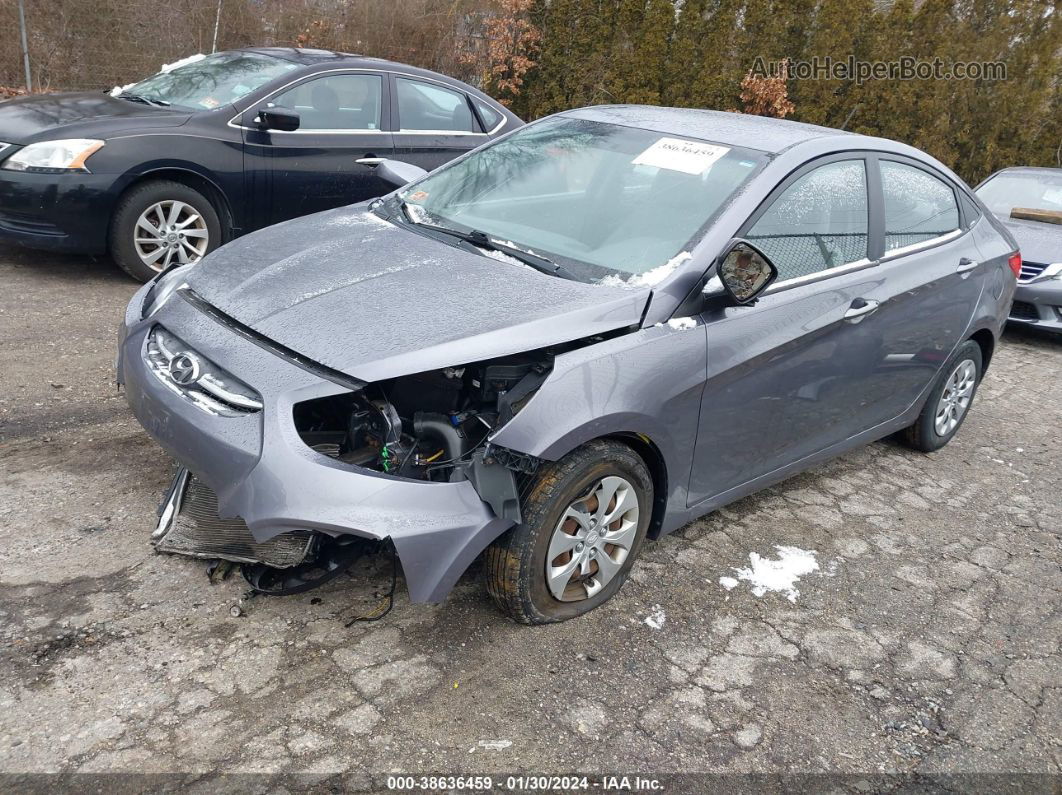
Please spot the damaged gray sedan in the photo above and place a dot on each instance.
(590, 332)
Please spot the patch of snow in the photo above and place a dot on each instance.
(501, 256)
(728, 582)
(417, 214)
(648, 279)
(657, 618)
(169, 67)
(121, 89)
(779, 576)
(682, 323)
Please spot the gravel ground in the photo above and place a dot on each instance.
(928, 642)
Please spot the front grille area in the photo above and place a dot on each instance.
(1021, 310)
(196, 530)
(1030, 270)
(195, 378)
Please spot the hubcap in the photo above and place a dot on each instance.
(955, 399)
(592, 540)
(170, 231)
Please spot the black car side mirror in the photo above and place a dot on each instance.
(744, 272)
(398, 173)
(280, 119)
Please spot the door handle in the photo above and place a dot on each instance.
(966, 265)
(369, 160)
(859, 309)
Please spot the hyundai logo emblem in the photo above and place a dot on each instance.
(185, 369)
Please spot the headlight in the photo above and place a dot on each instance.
(53, 157)
(165, 286)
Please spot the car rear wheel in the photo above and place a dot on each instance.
(949, 401)
(161, 223)
(585, 518)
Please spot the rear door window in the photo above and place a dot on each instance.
(425, 106)
(819, 222)
(918, 206)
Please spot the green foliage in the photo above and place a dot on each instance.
(695, 53)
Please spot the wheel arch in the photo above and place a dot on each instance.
(196, 181)
(654, 460)
(987, 342)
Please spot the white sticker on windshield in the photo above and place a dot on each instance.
(1053, 195)
(676, 154)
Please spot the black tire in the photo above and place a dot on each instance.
(134, 202)
(923, 435)
(516, 562)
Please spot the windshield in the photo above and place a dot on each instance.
(610, 202)
(212, 81)
(1029, 190)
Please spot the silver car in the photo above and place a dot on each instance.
(1029, 203)
(588, 333)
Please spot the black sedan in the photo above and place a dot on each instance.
(165, 170)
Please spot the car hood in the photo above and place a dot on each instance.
(375, 300)
(80, 115)
(1037, 241)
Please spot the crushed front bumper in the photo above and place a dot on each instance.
(263, 473)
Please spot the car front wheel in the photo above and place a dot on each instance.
(585, 518)
(161, 223)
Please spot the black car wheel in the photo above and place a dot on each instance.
(160, 223)
(585, 518)
(948, 402)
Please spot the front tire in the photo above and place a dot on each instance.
(161, 223)
(949, 401)
(585, 518)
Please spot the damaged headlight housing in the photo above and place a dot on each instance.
(165, 286)
(196, 378)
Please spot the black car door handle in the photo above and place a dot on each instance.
(966, 265)
(859, 309)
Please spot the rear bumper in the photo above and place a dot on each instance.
(263, 473)
(1039, 305)
(57, 212)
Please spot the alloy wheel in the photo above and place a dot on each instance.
(170, 231)
(592, 540)
(955, 399)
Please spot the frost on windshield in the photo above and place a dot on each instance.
(649, 278)
(166, 67)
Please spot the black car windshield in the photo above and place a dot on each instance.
(212, 81)
(1028, 190)
(613, 204)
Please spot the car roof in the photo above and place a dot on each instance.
(735, 129)
(311, 57)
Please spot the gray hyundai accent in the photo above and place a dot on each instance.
(589, 332)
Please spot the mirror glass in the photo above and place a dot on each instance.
(745, 273)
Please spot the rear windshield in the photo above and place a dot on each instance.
(213, 81)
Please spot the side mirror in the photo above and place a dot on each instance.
(280, 119)
(397, 173)
(744, 273)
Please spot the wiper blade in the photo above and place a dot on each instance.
(482, 240)
(158, 103)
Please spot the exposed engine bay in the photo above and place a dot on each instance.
(427, 426)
